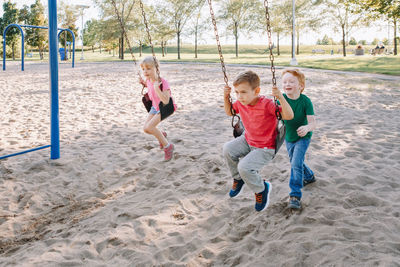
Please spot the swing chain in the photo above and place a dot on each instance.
(271, 56)
(126, 37)
(149, 37)
(221, 57)
(123, 29)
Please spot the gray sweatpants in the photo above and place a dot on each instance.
(252, 159)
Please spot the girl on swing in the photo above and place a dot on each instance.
(247, 154)
(159, 93)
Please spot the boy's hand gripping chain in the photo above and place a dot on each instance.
(238, 127)
(280, 127)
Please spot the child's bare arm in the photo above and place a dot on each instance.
(142, 82)
(227, 103)
(312, 124)
(163, 95)
(287, 112)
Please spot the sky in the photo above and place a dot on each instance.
(380, 30)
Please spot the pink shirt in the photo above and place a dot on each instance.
(155, 100)
(259, 122)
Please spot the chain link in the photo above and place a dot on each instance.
(271, 56)
(221, 58)
(149, 37)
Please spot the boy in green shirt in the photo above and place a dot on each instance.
(298, 133)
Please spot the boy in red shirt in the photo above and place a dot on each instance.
(257, 146)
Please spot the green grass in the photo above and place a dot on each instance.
(257, 54)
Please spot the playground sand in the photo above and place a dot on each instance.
(110, 200)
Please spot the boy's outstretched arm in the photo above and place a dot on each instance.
(287, 112)
(227, 103)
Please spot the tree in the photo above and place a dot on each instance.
(177, 13)
(68, 16)
(352, 41)
(277, 22)
(24, 18)
(35, 16)
(162, 31)
(342, 19)
(199, 25)
(375, 8)
(90, 31)
(325, 40)
(305, 14)
(375, 41)
(307, 18)
(240, 16)
(110, 21)
(10, 16)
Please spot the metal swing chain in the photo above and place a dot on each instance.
(149, 37)
(221, 57)
(271, 55)
(126, 36)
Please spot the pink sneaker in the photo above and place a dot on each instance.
(169, 152)
(165, 135)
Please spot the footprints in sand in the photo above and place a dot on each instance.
(112, 200)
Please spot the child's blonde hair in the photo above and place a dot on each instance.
(149, 61)
(299, 75)
(249, 77)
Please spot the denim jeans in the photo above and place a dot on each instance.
(252, 159)
(153, 111)
(299, 170)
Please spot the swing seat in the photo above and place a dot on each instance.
(238, 129)
(147, 102)
(166, 110)
(280, 136)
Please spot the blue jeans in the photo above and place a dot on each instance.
(299, 170)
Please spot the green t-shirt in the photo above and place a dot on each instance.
(301, 107)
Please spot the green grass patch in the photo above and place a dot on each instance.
(258, 55)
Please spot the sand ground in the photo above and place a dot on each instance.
(110, 200)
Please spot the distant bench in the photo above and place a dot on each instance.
(318, 51)
(348, 50)
(381, 51)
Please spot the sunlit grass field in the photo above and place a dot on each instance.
(257, 55)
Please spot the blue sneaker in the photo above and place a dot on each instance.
(307, 182)
(294, 203)
(262, 199)
(236, 187)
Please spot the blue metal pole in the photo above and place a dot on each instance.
(53, 60)
(73, 43)
(23, 152)
(4, 45)
(4, 50)
(73, 47)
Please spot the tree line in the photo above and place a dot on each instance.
(169, 20)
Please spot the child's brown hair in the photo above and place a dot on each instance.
(249, 77)
(299, 75)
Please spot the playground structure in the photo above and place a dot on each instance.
(53, 68)
(22, 41)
